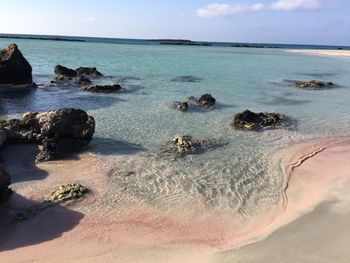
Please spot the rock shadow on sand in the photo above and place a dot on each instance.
(19, 161)
(49, 223)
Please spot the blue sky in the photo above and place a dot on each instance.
(268, 21)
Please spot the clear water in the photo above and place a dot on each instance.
(241, 175)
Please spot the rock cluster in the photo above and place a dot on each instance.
(206, 101)
(57, 131)
(248, 120)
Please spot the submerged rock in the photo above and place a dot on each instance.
(182, 145)
(58, 131)
(103, 88)
(63, 73)
(183, 106)
(81, 71)
(83, 81)
(14, 68)
(313, 84)
(186, 79)
(206, 100)
(248, 120)
(66, 192)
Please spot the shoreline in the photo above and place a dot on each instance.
(342, 53)
(138, 232)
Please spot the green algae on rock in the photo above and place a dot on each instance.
(66, 192)
(313, 84)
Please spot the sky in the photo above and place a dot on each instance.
(258, 21)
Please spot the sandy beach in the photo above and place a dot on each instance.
(313, 215)
(344, 53)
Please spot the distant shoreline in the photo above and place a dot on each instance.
(42, 38)
(169, 41)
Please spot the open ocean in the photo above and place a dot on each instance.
(240, 177)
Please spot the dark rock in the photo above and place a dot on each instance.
(207, 100)
(248, 120)
(63, 73)
(102, 88)
(183, 106)
(14, 68)
(5, 181)
(82, 80)
(88, 72)
(59, 131)
(313, 84)
(49, 151)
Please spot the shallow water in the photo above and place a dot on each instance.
(239, 177)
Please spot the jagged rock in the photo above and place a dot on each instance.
(59, 131)
(63, 73)
(14, 68)
(82, 80)
(65, 193)
(88, 72)
(248, 120)
(313, 84)
(206, 100)
(102, 88)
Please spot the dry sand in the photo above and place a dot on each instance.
(310, 226)
(344, 53)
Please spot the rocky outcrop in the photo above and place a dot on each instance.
(102, 88)
(313, 84)
(14, 68)
(63, 73)
(58, 131)
(83, 71)
(248, 120)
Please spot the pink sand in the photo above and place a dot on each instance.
(94, 231)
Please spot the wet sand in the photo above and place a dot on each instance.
(344, 53)
(314, 226)
(110, 226)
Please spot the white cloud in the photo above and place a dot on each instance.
(290, 5)
(218, 10)
(214, 10)
(89, 19)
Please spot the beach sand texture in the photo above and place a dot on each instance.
(344, 53)
(311, 225)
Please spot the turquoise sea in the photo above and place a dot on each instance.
(240, 176)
